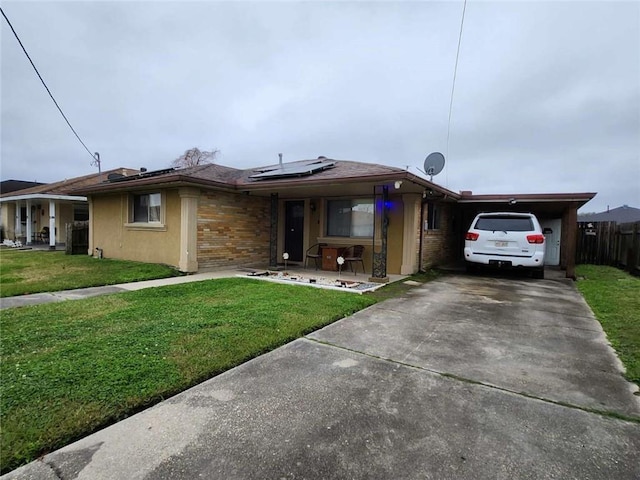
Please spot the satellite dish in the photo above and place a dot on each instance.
(433, 164)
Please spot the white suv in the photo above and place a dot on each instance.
(505, 240)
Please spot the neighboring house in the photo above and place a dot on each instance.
(623, 214)
(7, 186)
(212, 216)
(26, 212)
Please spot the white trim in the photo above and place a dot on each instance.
(350, 241)
(43, 196)
(157, 226)
(524, 199)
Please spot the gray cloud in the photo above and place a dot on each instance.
(547, 96)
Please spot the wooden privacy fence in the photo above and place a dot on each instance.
(609, 243)
(77, 238)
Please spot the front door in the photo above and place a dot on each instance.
(294, 229)
(552, 230)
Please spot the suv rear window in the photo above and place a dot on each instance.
(504, 224)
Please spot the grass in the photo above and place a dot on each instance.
(29, 271)
(614, 297)
(73, 367)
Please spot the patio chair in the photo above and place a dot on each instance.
(44, 234)
(314, 252)
(353, 255)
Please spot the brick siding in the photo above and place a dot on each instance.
(233, 230)
(439, 246)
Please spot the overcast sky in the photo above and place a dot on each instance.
(547, 95)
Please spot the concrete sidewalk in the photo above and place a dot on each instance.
(462, 378)
(79, 293)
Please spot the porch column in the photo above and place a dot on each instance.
(52, 225)
(29, 224)
(188, 229)
(411, 230)
(17, 231)
(90, 249)
(380, 228)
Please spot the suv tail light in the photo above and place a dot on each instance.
(472, 236)
(537, 238)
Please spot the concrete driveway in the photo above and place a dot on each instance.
(463, 378)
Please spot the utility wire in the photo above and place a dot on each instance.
(453, 85)
(45, 86)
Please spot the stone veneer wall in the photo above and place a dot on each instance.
(439, 246)
(233, 230)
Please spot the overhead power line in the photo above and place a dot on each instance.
(453, 85)
(45, 85)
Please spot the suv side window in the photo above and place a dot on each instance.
(505, 224)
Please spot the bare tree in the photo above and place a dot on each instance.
(194, 156)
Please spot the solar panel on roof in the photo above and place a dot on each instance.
(155, 173)
(293, 170)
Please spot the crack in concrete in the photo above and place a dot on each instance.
(56, 471)
(604, 413)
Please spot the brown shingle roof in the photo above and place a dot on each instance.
(233, 178)
(342, 170)
(65, 187)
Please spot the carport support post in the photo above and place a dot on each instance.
(52, 225)
(570, 229)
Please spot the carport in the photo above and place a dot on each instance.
(557, 212)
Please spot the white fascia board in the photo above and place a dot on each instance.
(523, 199)
(43, 196)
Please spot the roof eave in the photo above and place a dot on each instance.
(154, 182)
(530, 198)
(44, 196)
(266, 185)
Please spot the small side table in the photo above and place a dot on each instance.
(329, 258)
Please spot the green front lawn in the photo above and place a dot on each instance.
(614, 297)
(70, 368)
(30, 271)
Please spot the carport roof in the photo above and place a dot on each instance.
(546, 204)
(468, 197)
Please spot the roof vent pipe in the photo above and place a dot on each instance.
(280, 157)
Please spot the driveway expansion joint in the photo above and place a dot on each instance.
(603, 413)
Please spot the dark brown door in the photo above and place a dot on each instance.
(294, 229)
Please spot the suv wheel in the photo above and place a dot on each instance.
(538, 273)
(471, 268)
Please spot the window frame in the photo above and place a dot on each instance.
(433, 217)
(353, 201)
(146, 225)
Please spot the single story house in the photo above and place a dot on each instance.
(623, 214)
(27, 212)
(212, 216)
(8, 186)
